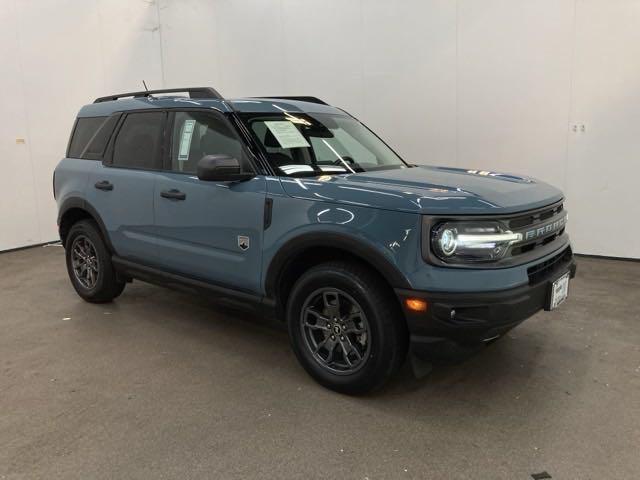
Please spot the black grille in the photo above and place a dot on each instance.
(543, 270)
(526, 220)
(530, 246)
(531, 221)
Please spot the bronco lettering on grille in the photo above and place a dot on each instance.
(544, 230)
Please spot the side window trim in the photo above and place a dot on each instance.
(109, 152)
(168, 140)
(256, 157)
(107, 159)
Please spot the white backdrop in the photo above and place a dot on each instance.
(491, 84)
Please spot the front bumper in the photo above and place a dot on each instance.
(457, 323)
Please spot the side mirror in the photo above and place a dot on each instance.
(222, 168)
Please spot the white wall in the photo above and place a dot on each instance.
(55, 56)
(603, 167)
(491, 84)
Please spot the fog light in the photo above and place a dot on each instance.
(416, 304)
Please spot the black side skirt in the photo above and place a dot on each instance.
(229, 296)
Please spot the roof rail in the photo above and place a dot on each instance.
(300, 99)
(194, 92)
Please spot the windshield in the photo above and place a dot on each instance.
(301, 144)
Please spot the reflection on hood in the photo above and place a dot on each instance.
(426, 190)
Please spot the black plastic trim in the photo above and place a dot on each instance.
(80, 203)
(250, 142)
(297, 245)
(476, 317)
(246, 300)
(268, 211)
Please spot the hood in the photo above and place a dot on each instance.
(428, 190)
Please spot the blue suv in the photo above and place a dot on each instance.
(294, 208)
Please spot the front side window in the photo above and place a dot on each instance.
(198, 134)
(301, 144)
(139, 141)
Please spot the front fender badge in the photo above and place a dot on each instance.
(243, 242)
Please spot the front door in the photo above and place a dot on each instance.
(210, 231)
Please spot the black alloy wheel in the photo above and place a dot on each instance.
(89, 264)
(336, 330)
(346, 326)
(84, 261)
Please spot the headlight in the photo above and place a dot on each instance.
(481, 241)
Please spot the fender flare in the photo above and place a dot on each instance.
(355, 246)
(82, 204)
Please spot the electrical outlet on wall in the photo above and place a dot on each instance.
(578, 127)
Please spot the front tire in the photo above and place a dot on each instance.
(346, 327)
(89, 264)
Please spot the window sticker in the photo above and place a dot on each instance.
(287, 134)
(185, 140)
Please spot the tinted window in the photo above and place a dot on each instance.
(83, 133)
(97, 145)
(196, 134)
(139, 141)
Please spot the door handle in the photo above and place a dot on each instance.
(173, 194)
(104, 185)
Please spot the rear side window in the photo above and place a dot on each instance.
(139, 141)
(90, 137)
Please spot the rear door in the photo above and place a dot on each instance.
(121, 188)
(208, 230)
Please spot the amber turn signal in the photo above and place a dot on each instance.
(416, 304)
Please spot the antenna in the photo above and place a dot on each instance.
(145, 86)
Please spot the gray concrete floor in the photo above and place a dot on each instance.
(161, 384)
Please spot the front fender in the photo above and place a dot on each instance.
(388, 241)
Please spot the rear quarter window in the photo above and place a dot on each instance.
(90, 137)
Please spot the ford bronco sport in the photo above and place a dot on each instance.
(293, 207)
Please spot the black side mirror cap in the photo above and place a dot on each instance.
(221, 168)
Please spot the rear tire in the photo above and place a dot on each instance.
(89, 264)
(346, 327)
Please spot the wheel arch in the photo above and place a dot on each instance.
(304, 251)
(74, 209)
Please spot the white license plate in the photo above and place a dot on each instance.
(559, 291)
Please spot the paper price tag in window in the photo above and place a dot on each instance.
(185, 140)
(287, 134)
